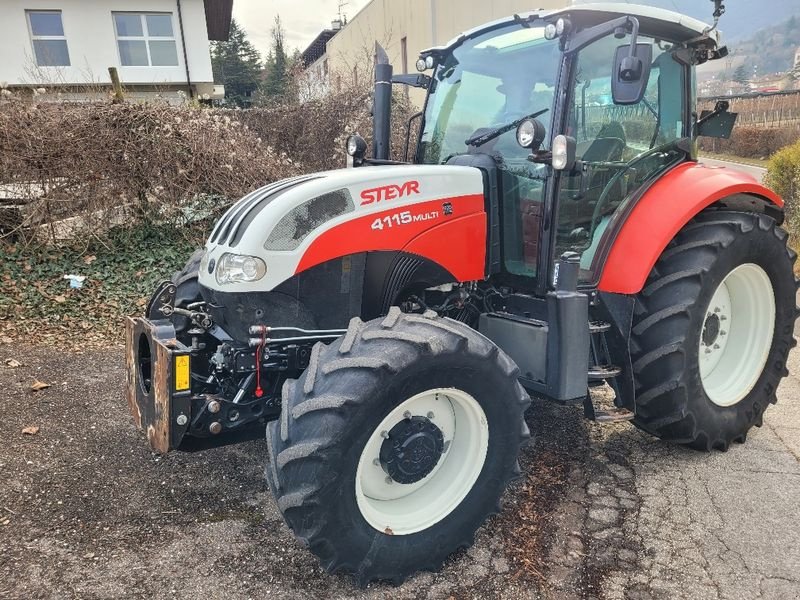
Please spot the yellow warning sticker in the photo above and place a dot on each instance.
(181, 373)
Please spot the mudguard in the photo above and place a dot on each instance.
(436, 212)
(662, 211)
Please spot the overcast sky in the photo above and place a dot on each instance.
(302, 19)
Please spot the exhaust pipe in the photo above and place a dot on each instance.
(382, 105)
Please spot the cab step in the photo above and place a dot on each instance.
(598, 327)
(603, 372)
(605, 414)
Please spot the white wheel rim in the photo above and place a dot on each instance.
(737, 334)
(402, 509)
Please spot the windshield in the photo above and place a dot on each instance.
(487, 82)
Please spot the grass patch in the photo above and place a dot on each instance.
(753, 162)
(38, 304)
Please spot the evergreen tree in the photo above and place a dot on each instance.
(741, 75)
(237, 65)
(277, 79)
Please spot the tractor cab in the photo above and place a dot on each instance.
(570, 114)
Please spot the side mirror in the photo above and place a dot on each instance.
(632, 65)
(717, 123)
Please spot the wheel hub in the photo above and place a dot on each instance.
(737, 334)
(412, 449)
(711, 329)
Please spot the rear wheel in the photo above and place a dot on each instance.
(712, 330)
(396, 444)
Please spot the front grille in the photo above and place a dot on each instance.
(295, 226)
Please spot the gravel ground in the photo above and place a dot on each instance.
(86, 511)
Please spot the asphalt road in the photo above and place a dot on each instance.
(86, 511)
(756, 172)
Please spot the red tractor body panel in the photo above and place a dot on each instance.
(448, 231)
(662, 211)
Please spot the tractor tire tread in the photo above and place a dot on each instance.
(666, 402)
(298, 467)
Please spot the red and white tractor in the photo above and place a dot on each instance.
(551, 233)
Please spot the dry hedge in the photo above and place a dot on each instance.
(753, 142)
(71, 170)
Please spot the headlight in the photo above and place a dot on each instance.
(356, 146)
(530, 134)
(233, 268)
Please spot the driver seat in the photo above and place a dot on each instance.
(608, 146)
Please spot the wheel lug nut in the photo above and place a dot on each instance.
(430, 415)
(377, 462)
(407, 415)
(708, 350)
(723, 318)
(385, 434)
(723, 333)
(389, 480)
(716, 346)
(716, 309)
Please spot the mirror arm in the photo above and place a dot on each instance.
(634, 23)
(541, 157)
(419, 81)
(720, 107)
(586, 36)
(408, 133)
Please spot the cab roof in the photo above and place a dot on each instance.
(668, 24)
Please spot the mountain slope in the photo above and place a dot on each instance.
(772, 49)
(741, 18)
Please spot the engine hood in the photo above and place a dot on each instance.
(297, 223)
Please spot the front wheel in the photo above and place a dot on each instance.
(713, 328)
(396, 444)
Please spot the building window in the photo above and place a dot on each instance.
(47, 35)
(146, 39)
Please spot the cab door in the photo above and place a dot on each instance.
(620, 148)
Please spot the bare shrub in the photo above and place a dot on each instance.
(752, 142)
(314, 133)
(77, 169)
(83, 167)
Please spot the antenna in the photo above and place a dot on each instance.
(719, 10)
(342, 15)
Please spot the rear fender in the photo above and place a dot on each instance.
(668, 205)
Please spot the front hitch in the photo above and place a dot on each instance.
(158, 381)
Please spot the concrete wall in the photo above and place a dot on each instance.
(91, 39)
(423, 23)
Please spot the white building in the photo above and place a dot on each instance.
(159, 47)
(404, 28)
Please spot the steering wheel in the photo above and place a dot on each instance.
(601, 201)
